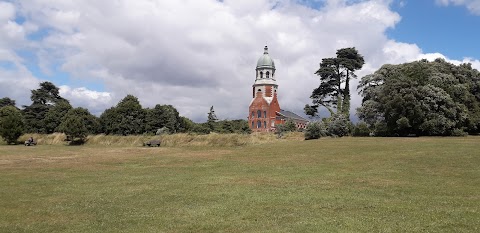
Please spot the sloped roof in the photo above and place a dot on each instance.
(292, 115)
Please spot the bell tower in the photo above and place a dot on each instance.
(264, 105)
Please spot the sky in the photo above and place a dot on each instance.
(194, 54)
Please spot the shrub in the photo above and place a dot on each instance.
(458, 133)
(11, 124)
(361, 130)
(315, 130)
(338, 125)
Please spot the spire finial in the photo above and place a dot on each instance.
(265, 50)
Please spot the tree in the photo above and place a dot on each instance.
(109, 121)
(6, 102)
(11, 124)
(78, 123)
(132, 116)
(127, 118)
(334, 89)
(421, 98)
(55, 115)
(162, 116)
(47, 94)
(212, 119)
(43, 99)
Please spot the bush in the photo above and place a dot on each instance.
(315, 130)
(458, 133)
(338, 125)
(361, 130)
(11, 124)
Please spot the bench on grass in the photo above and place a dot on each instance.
(152, 143)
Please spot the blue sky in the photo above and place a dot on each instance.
(195, 54)
(450, 30)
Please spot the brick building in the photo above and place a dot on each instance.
(264, 110)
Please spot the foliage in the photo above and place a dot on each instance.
(11, 123)
(335, 73)
(55, 115)
(78, 123)
(43, 99)
(6, 102)
(361, 130)
(315, 130)
(164, 116)
(211, 119)
(289, 126)
(338, 125)
(127, 118)
(421, 98)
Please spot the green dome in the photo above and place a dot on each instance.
(265, 61)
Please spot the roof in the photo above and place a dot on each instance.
(265, 61)
(288, 114)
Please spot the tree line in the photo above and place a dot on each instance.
(49, 113)
(419, 98)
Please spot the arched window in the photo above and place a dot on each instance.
(259, 124)
(259, 114)
(265, 114)
(253, 114)
(253, 124)
(261, 74)
(265, 124)
(268, 74)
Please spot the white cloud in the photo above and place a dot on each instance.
(95, 101)
(194, 54)
(472, 5)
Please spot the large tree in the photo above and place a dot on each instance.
(334, 89)
(78, 123)
(127, 118)
(421, 98)
(43, 98)
(11, 124)
(55, 115)
(162, 116)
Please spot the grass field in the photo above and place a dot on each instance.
(327, 185)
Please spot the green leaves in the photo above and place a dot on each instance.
(421, 98)
(335, 73)
(78, 123)
(11, 124)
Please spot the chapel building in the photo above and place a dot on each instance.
(264, 110)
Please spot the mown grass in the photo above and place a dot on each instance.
(327, 185)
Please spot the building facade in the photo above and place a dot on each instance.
(264, 110)
(264, 105)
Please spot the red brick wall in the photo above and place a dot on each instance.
(261, 104)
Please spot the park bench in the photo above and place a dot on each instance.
(152, 143)
(31, 142)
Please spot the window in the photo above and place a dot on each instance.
(253, 124)
(259, 124)
(259, 114)
(253, 114)
(265, 124)
(265, 114)
(268, 74)
(273, 124)
(261, 74)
